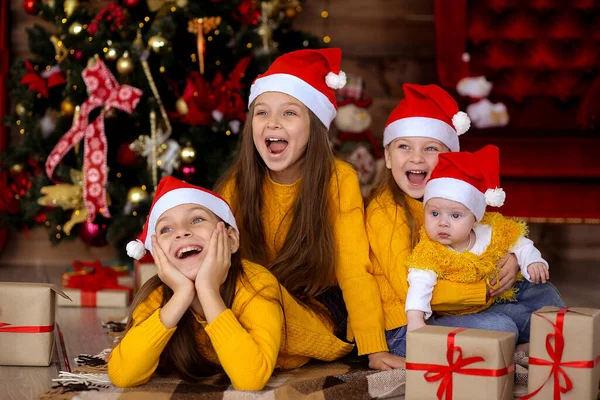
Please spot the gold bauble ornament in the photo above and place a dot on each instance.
(181, 3)
(20, 109)
(67, 108)
(16, 169)
(187, 154)
(76, 28)
(181, 106)
(291, 12)
(157, 43)
(136, 195)
(111, 54)
(69, 6)
(125, 64)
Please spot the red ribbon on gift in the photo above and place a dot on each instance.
(456, 365)
(4, 327)
(37, 83)
(555, 353)
(106, 93)
(90, 277)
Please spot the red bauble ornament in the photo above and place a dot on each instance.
(189, 172)
(131, 3)
(77, 55)
(93, 234)
(126, 157)
(30, 7)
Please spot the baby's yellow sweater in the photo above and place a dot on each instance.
(389, 238)
(248, 341)
(354, 271)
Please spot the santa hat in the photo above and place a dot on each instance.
(172, 192)
(308, 75)
(427, 111)
(472, 179)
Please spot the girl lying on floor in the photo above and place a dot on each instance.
(207, 309)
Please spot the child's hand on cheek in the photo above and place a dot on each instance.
(167, 273)
(215, 266)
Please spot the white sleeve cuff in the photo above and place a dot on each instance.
(420, 290)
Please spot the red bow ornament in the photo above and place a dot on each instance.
(38, 82)
(105, 92)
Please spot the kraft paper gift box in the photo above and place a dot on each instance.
(569, 340)
(27, 323)
(91, 284)
(459, 364)
(144, 270)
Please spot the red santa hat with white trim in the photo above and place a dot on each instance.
(172, 192)
(308, 75)
(472, 179)
(427, 111)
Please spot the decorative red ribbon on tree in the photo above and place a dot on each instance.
(105, 92)
(555, 353)
(456, 365)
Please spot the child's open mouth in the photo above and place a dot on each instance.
(189, 251)
(416, 177)
(276, 145)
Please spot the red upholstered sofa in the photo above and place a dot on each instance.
(544, 61)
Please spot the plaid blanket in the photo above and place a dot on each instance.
(348, 379)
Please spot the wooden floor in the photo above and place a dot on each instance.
(578, 282)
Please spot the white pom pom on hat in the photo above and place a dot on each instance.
(461, 122)
(309, 75)
(136, 249)
(336, 81)
(472, 179)
(427, 111)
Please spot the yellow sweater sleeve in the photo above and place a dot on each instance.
(248, 346)
(389, 238)
(354, 271)
(136, 356)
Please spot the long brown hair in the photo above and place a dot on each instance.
(181, 353)
(386, 182)
(305, 264)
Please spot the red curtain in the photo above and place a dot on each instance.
(4, 65)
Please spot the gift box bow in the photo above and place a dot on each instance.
(555, 345)
(92, 277)
(456, 365)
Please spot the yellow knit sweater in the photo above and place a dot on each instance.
(389, 237)
(353, 268)
(248, 341)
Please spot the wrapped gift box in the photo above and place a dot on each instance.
(27, 323)
(450, 363)
(569, 339)
(144, 270)
(90, 284)
(99, 298)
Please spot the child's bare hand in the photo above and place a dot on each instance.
(538, 272)
(507, 275)
(215, 267)
(167, 273)
(386, 361)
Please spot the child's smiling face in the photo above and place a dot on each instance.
(411, 160)
(280, 129)
(183, 233)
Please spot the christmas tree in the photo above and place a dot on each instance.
(123, 93)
